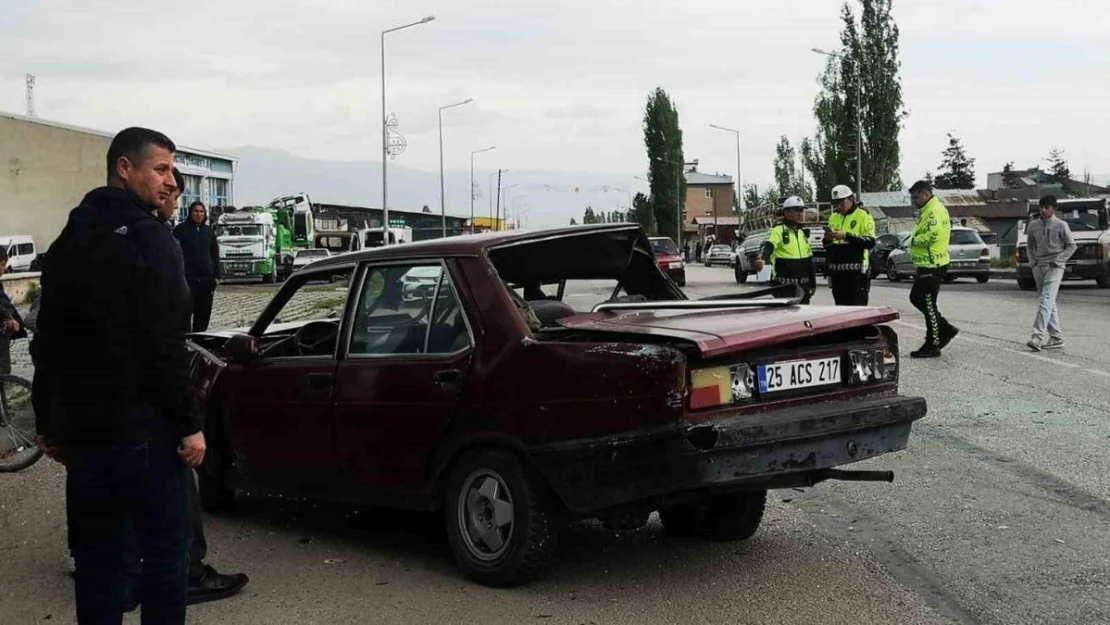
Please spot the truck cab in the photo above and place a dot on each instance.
(247, 245)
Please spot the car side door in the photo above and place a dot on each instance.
(398, 384)
(277, 408)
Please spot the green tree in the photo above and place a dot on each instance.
(642, 213)
(957, 169)
(1058, 171)
(663, 140)
(789, 177)
(751, 195)
(1010, 178)
(589, 217)
(573, 222)
(868, 65)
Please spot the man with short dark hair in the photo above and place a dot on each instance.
(202, 264)
(1050, 246)
(111, 391)
(929, 253)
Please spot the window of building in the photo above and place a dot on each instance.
(217, 192)
(709, 192)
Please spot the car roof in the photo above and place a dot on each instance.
(465, 245)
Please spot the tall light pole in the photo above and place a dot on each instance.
(489, 188)
(677, 198)
(500, 192)
(739, 185)
(472, 183)
(859, 120)
(385, 132)
(442, 194)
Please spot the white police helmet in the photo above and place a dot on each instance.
(840, 192)
(793, 202)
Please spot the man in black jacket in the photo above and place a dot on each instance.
(202, 263)
(111, 391)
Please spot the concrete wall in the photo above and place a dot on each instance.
(45, 173)
(697, 205)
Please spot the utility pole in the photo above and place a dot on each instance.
(30, 95)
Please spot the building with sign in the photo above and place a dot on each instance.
(49, 166)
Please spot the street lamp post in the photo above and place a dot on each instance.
(677, 198)
(385, 132)
(442, 193)
(739, 185)
(501, 191)
(489, 188)
(472, 183)
(859, 119)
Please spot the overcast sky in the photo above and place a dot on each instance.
(557, 85)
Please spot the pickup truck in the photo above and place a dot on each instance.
(492, 396)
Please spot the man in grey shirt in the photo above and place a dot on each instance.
(1050, 247)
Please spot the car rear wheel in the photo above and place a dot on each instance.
(982, 279)
(729, 517)
(891, 272)
(501, 521)
(682, 281)
(1026, 284)
(1103, 282)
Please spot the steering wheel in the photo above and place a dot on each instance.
(314, 335)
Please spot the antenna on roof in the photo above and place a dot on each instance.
(30, 95)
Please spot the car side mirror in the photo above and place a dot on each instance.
(242, 348)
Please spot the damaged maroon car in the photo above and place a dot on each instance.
(474, 376)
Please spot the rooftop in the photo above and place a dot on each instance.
(696, 177)
(107, 135)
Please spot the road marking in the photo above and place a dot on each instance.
(1013, 351)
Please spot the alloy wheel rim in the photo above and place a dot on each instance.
(485, 515)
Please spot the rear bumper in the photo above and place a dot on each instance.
(678, 275)
(778, 449)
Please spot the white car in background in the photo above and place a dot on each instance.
(307, 257)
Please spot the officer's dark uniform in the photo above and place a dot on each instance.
(788, 252)
(848, 258)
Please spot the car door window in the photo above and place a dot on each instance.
(308, 322)
(408, 309)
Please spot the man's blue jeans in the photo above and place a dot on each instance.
(127, 503)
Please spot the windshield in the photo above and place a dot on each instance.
(239, 231)
(719, 248)
(965, 237)
(664, 247)
(1080, 221)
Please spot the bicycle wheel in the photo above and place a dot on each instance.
(18, 448)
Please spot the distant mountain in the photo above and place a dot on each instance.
(548, 198)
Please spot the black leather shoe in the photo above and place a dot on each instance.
(927, 351)
(215, 586)
(947, 336)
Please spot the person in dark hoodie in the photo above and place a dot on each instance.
(111, 394)
(202, 264)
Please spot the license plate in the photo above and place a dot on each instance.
(785, 376)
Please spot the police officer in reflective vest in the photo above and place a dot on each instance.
(849, 237)
(788, 252)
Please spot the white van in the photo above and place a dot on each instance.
(21, 251)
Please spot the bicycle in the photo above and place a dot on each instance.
(18, 446)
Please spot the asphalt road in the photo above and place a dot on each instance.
(1000, 514)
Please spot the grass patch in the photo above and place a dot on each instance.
(1003, 263)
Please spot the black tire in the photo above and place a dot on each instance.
(734, 516)
(891, 272)
(18, 439)
(271, 277)
(1026, 284)
(1103, 282)
(682, 281)
(482, 482)
(740, 274)
(982, 279)
(948, 279)
(681, 520)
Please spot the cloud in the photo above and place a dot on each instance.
(557, 85)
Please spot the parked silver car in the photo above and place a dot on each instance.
(970, 258)
(718, 255)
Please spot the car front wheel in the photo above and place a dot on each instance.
(501, 521)
(892, 273)
(733, 516)
(1026, 284)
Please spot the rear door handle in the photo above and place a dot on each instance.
(448, 378)
(318, 382)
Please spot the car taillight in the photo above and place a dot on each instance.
(720, 386)
(872, 365)
(1019, 255)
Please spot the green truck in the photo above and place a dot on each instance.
(257, 242)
